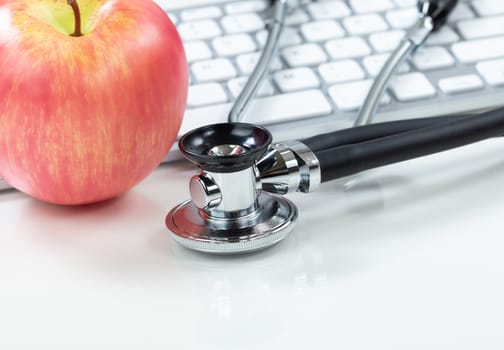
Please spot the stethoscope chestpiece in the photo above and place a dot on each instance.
(228, 212)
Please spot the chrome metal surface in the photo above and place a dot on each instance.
(420, 30)
(309, 166)
(289, 166)
(205, 193)
(229, 212)
(414, 38)
(262, 66)
(273, 220)
(226, 150)
(237, 192)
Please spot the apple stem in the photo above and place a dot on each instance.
(77, 15)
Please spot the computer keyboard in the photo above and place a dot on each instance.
(328, 56)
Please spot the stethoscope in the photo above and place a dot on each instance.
(236, 203)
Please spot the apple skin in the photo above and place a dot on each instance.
(84, 119)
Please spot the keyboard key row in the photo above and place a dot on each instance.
(209, 28)
(463, 83)
(488, 7)
(251, 22)
(426, 59)
(481, 27)
(347, 97)
(350, 96)
(429, 57)
(434, 57)
(222, 68)
(492, 71)
(232, 45)
(296, 79)
(477, 50)
(297, 54)
(213, 93)
(267, 110)
(242, 16)
(341, 71)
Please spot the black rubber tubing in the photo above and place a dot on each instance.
(373, 131)
(350, 159)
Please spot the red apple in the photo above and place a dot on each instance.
(92, 94)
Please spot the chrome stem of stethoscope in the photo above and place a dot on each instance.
(230, 210)
(431, 15)
(234, 206)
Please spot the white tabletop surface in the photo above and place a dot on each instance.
(408, 256)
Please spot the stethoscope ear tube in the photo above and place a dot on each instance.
(373, 131)
(349, 159)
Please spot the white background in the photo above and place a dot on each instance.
(408, 256)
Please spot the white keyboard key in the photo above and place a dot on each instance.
(329, 9)
(197, 51)
(374, 64)
(351, 47)
(289, 37)
(247, 63)
(405, 3)
(296, 79)
(246, 6)
(296, 17)
(304, 55)
(289, 106)
(196, 117)
(481, 27)
(433, 57)
(364, 24)
(244, 23)
(462, 83)
(265, 110)
(488, 7)
(236, 86)
(402, 18)
(479, 50)
(492, 71)
(213, 70)
(445, 35)
(232, 45)
(365, 6)
(351, 96)
(341, 71)
(205, 94)
(198, 30)
(169, 5)
(201, 13)
(386, 41)
(412, 86)
(460, 12)
(322, 30)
